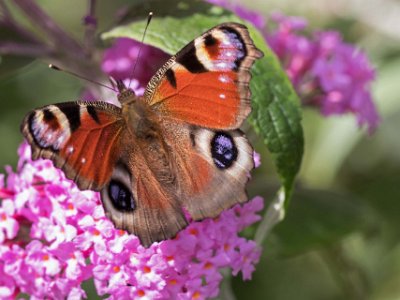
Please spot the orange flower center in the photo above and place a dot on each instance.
(193, 231)
(146, 269)
(208, 265)
(116, 269)
(226, 247)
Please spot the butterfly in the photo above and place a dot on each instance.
(177, 147)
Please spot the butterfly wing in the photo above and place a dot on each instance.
(207, 82)
(152, 212)
(224, 160)
(81, 138)
(212, 168)
(90, 142)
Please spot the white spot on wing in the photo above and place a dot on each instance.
(222, 65)
(223, 78)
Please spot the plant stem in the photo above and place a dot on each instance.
(30, 50)
(50, 28)
(226, 292)
(272, 216)
(58, 48)
(90, 22)
(4, 9)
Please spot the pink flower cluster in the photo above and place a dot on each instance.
(54, 236)
(326, 72)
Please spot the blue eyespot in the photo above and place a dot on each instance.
(121, 197)
(223, 150)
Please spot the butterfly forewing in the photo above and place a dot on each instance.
(81, 138)
(207, 82)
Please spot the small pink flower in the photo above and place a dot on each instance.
(76, 293)
(41, 260)
(247, 257)
(8, 225)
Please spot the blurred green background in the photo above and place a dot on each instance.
(341, 235)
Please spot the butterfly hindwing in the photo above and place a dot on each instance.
(153, 212)
(207, 82)
(230, 157)
(213, 167)
(81, 138)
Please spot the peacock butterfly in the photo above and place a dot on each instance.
(177, 146)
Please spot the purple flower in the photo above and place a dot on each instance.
(55, 236)
(326, 72)
(119, 60)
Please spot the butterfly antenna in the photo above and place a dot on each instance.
(140, 47)
(51, 66)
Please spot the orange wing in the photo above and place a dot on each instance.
(207, 82)
(81, 138)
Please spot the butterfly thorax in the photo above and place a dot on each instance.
(144, 128)
(141, 121)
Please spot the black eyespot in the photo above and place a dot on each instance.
(223, 150)
(121, 197)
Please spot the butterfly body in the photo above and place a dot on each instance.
(176, 147)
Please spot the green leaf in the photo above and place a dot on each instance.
(276, 115)
(317, 218)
